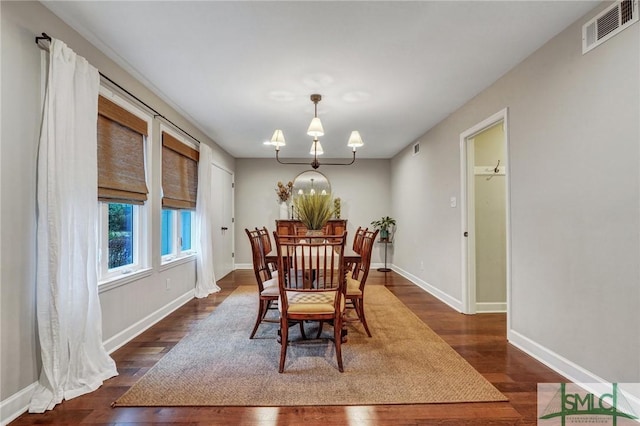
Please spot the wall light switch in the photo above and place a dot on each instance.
(453, 202)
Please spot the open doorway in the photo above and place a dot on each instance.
(485, 216)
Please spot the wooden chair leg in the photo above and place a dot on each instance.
(337, 339)
(363, 319)
(263, 305)
(304, 335)
(320, 324)
(284, 335)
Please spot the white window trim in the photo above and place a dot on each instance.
(166, 258)
(139, 249)
(177, 255)
(115, 282)
(177, 262)
(142, 253)
(178, 136)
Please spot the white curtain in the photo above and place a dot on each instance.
(206, 280)
(74, 361)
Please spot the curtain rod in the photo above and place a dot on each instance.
(40, 40)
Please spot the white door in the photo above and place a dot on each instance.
(222, 222)
(480, 245)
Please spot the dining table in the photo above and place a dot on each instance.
(349, 258)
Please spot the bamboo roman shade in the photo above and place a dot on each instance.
(179, 174)
(121, 171)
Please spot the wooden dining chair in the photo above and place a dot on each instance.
(267, 284)
(312, 283)
(267, 248)
(357, 246)
(358, 278)
(357, 239)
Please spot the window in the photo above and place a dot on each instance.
(121, 225)
(122, 187)
(186, 230)
(121, 234)
(179, 187)
(179, 173)
(177, 234)
(168, 226)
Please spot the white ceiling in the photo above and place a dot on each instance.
(391, 69)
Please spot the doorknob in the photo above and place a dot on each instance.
(224, 228)
(466, 234)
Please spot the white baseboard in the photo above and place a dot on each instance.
(556, 362)
(439, 294)
(491, 307)
(134, 330)
(570, 370)
(18, 403)
(12, 407)
(573, 372)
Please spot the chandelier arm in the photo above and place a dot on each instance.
(353, 160)
(292, 162)
(314, 163)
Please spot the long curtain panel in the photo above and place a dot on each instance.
(74, 361)
(206, 280)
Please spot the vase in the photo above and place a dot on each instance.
(284, 210)
(315, 233)
(336, 208)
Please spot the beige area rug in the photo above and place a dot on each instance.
(405, 362)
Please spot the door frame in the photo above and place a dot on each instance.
(232, 211)
(468, 211)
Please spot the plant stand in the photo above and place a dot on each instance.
(386, 242)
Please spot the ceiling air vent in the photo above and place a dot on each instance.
(608, 23)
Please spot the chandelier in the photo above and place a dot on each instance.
(315, 130)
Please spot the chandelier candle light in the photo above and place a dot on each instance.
(315, 130)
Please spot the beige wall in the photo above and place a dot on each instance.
(124, 308)
(363, 189)
(574, 195)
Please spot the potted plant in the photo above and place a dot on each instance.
(383, 224)
(314, 210)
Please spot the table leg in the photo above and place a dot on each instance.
(385, 269)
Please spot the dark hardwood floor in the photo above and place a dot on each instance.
(480, 339)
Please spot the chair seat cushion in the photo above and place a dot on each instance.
(317, 302)
(353, 287)
(270, 288)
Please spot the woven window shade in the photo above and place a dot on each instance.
(179, 174)
(121, 171)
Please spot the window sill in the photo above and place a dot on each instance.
(116, 282)
(176, 262)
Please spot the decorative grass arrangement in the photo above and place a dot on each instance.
(314, 210)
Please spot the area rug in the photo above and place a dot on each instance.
(405, 362)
